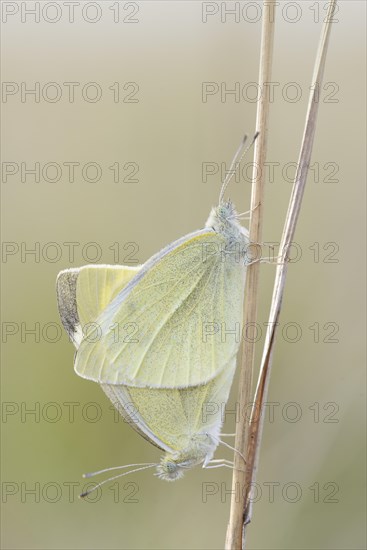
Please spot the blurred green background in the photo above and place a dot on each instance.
(311, 481)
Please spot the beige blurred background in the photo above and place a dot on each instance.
(311, 482)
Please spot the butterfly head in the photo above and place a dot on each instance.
(169, 469)
(223, 219)
(173, 465)
(221, 215)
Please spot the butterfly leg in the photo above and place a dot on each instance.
(221, 465)
(220, 461)
(273, 261)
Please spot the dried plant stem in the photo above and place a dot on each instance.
(235, 526)
(256, 421)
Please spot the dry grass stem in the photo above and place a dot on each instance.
(256, 421)
(234, 531)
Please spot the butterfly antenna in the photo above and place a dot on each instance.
(92, 474)
(240, 153)
(86, 493)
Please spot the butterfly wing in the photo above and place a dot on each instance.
(66, 301)
(172, 418)
(84, 292)
(176, 324)
(128, 406)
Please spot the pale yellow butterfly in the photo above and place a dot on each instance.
(159, 338)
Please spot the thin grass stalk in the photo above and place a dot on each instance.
(235, 525)
(257, 420)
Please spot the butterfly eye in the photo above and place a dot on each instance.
(171, 467)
